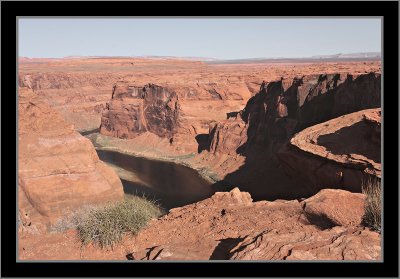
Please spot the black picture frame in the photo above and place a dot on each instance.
(9, 13)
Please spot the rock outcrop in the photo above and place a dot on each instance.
(134, 110)
(338, 243)
(58, 169)
(334, 207)
(285, 107)
(80, 88)
(227, 136)
(339, 153)
(230, 226)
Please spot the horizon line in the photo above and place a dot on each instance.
(376, 53)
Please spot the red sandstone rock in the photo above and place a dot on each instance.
(74, 87)
(338, 243)
(134, 110)
(285, 107)
(227, 136)
(58, 169)
(331, 207)
(225, 226)
(288, 106)
(211, 228)
(339, 153)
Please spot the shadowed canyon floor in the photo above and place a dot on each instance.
(172, 185)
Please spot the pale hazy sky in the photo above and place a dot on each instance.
(231, 38)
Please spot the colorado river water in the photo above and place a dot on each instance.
(171, 184)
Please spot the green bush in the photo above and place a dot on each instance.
(372, 217)
(105, 225)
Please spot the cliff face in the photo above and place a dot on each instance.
(285, 107)
(340, 153)
(134, 110)
(58, 169)
(78, 96)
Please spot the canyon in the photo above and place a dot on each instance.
(285, 134)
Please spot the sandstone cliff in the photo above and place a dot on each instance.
(79, 88)
(58, 169)
(340, 153)
(287, 106)
(134, 110)
(281, 109)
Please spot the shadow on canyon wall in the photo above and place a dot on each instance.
(202, 141)
(342, 142)
(88, 132)
(279, 111)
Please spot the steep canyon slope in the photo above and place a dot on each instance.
(58, 169)
(259, 132)
(236, 116)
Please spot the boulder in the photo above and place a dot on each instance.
(333, 207)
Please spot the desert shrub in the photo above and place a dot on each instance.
(372, 217)
(105, 225)
(71, 219)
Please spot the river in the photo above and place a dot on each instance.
(172, 185)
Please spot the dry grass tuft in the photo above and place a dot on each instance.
(373, 208)
(106, 225)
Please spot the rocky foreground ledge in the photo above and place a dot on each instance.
(230, 226)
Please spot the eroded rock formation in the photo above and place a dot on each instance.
(338, 243)
(134, 110)
(285, 107)
(340, 153)
(58, 169)
(230, 226)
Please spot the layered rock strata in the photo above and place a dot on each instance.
(341, 153)
(58, 169)
(230, 226)
(134, 110)
(285, 107)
